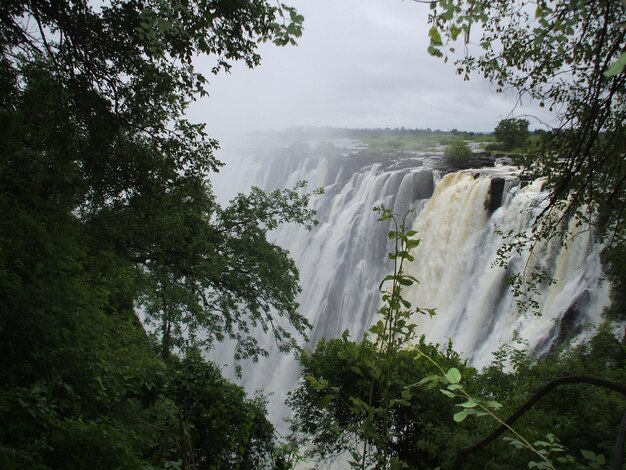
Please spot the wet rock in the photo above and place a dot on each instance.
(423, 184)
(496, 193)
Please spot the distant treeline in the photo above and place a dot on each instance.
(326, 132)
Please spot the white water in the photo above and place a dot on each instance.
(476, 309)
(342, 261)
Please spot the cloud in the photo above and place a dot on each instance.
(360, 63)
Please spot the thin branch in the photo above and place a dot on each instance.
(621, 389)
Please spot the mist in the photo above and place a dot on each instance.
(359, 64)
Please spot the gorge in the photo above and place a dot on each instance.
(459, 216)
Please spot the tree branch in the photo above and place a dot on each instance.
(621, 389)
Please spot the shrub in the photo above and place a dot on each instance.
(457, 152)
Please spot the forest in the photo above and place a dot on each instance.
(119, 269)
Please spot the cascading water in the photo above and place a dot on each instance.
(342, 261)
(476, 307)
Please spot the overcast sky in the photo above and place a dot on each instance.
(360, 63)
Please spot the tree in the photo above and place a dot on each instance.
(218, 426)
(512, 133)
(97, 97)
(566, 56)
(106, 210)
(422, 431)
(420, 425)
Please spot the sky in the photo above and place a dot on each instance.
(359, 63)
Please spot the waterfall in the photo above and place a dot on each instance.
(476, 308)
(343, 260)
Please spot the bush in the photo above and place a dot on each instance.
(457, 152)
(424, 433)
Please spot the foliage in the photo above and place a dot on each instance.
(382, 400)
(582, 417)
(419, 421)
(407, 140)
(219, 427)
(457, 152)
(106, 212)
(129, 411)
(512, 133)
(430, 427)
(132, 171)
(563, 55)
(614, 261)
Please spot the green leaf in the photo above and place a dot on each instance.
(405, 255)
(325, 401)
(435, 37)
(454, 32)
(460, 416)
(316, 384)
(378, 328)
(589, 455)
(453, 375)
(99, 380)
(431, 311)
(359, 404)
(468, 404)
(494, 405)
(410, 244)
(434, 51)
(429, 379)
(447, 393)
(514, 442)
(353, 350)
